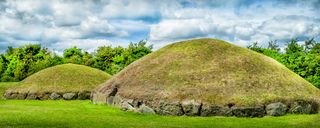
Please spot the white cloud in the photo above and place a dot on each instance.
(86, 44)
(260, 22)
(130, 9)
(55, 22)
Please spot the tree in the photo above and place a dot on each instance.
(88, 59)
(103, 58)
(73, 55)
(273, 45)
(309, 44)
(315, 49)
(293, 47)
(136, 51)
(255, 47)
(21, 62)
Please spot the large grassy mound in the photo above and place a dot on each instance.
(62, 78)
(209, 71)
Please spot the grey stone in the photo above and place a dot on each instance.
(21, 96)
(55, 96)
(213, 110)
(191, 108)
(84, 95)
(110, 100)
(10, 95)
(300, 107)
(248, 111)
(170, 108)
(98, 98)
(69, 96)
(127, 107)
(130, 101)
(43, 96)
(276, 109)
(314, 107)
(32, 96)
(115, 101)
(145, 109)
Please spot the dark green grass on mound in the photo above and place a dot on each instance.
(63, 78)
(84, 114)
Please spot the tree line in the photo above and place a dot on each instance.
(21, 62)
(303, 58)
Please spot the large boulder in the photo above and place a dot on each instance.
(145, 109)
(69, 96)
(55, 96)
(44, 96)
(84, 95)
(32, 96)
(10, 95)
(21, 96)
(127, 107)
(170, 108)
(248, 111)
(315, 108)
(191, 107)
(214, 110)
(300, 107)
(276, 109)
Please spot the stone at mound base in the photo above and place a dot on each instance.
(83, 95)
(276, 109)
(213, 110)
(32, 96)
(221, 78)
(300, 107)
(191, 108)
(69, 96)
(173, 108)
(145, 109)
(249, 111)
(55, 96)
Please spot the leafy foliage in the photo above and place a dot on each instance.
(302, 59)
(21, 62)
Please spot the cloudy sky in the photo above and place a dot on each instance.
(60, 24)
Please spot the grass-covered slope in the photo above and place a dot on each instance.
(209, 71)
(62, 78)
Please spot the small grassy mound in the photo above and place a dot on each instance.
(209, 71)
(62, 78)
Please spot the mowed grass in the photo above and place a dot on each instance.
(15, 113)
(4, 86)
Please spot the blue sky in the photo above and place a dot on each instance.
(59, 24)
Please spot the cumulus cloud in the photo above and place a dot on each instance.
(89, 44)
(88, 24)
(240, 22)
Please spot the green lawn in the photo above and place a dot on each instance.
(15, 113)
